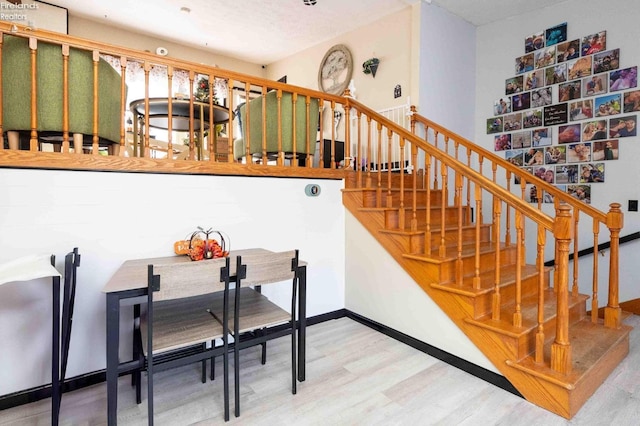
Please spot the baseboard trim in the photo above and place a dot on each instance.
(42, 392)
(453, 360)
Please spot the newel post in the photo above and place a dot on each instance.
(561, 347)
(614, 223)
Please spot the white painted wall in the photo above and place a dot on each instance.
(499, 43)
(379, 289)
(112, 217)
(447, 70)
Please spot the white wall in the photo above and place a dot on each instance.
(112, 217)
(447, 70)
(379, 289)
(499, 43)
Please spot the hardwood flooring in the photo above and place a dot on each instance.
(355, 376)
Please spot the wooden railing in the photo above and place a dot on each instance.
(470, 177)
(148, 78)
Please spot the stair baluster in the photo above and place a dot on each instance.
(414, 207)
(576, 219)
(443, 208)
(389, 163)
(594, 292)
(561, 347)
(517, 315)
(539, 349)
(612, 312)
(458, 203)
(427, 239)
(496, 244)
(379, 169)
(476, 264)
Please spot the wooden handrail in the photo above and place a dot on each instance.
(480, 151)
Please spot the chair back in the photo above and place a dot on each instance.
(180, 280)
(261, 269)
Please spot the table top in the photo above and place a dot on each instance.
(180, 113)
(132, 274)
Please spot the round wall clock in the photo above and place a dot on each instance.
(335, 70)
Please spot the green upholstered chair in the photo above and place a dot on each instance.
(255, 122)
(16, 92)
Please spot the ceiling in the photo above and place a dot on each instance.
(264, 31)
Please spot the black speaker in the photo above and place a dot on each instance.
(326, 152)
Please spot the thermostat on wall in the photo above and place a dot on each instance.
(312, 190)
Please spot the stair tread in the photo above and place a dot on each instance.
(468, 249)
(589, 344)
(507, 277)
(529, 311)
(434, 229)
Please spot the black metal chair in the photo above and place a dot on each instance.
(178, 323)
(71, 264)
(256, 319)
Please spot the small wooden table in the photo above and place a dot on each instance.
(180, 117)
(130, 281)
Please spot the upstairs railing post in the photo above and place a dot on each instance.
(561, 347)
(614, 223)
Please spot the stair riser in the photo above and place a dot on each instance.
(482, 304)
(414, 243)
(370, 198)
(392, 219)
(526, 345)
(448, 268)
(352, 179)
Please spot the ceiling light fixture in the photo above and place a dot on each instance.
(309, 2)
(185, 9)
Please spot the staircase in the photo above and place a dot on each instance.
(461, 279)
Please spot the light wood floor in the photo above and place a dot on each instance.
(355, 376)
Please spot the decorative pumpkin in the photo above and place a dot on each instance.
(199, 248)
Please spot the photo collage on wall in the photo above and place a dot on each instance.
(566, 143)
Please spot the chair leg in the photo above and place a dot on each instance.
(225, 379)
(204, 365)
(264, 353)
(294, 367)
(213, 362)
(236, 375)
(150, 394)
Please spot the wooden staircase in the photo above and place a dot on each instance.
(463, 284)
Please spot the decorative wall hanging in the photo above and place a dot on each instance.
(335, 70)
(370, 66)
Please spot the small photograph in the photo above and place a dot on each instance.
(632, 101)
(555, 35)
(531, 193)
(556, 74)
(555, 154)
(608, 105)
(594, 130)
(534, 157)
(541, 97)
(580, 192)
(578, 152)
(579, 68)
(581, 110)
(594, 43)
(592, 173)
(532, 118)
(512, 122)
(544, 57)
(569, 91)
(494, 125)
(521, 140)
(502, 142)
(524, 63)
(569, 133)
(513, 85)
(515, 157)
(567, 51)
(541, 137)
(623, 127)
(567, 174)
(502, 106)
(606, 61)
(605, 150)
(556, 114)
(595, 85)
(626, 78)
(534, 80)
(534, 42)
(521, 101)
